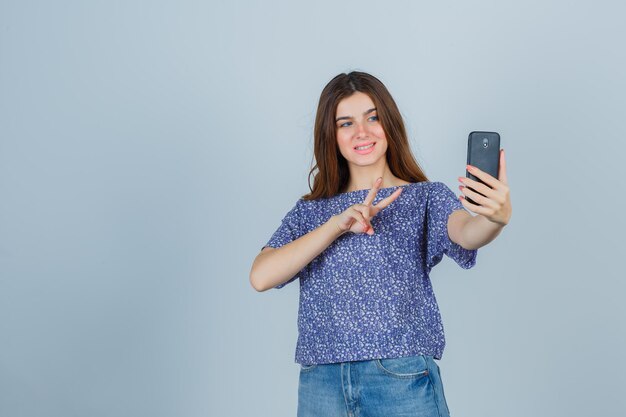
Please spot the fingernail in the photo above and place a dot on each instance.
(469, 167)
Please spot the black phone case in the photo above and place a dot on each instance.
(483, 152)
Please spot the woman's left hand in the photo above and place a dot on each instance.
(495, 202)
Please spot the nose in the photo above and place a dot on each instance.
(361, 130)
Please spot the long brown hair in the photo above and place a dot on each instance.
(332, 174)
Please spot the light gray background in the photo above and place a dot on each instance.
(149, 149)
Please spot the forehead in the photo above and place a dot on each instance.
(354, 105)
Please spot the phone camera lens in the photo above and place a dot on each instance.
(485, 142)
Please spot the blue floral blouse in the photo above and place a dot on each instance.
(369, 297)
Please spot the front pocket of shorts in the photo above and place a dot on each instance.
(307, 368)
(404, 367)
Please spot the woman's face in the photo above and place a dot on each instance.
(360, 135)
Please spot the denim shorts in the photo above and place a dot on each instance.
(406, 386)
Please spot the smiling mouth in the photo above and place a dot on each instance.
(364, 147)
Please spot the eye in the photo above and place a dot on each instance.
(345, 124)
(375, 118)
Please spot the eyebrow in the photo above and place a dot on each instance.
(350, 117)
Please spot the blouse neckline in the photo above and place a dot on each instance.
(380, 189)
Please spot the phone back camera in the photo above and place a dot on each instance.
(485, 143)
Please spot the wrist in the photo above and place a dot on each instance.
(495, 223)
(335, 226)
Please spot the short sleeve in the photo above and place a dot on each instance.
(441, 203)
(288, 231)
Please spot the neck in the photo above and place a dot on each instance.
(363, 178)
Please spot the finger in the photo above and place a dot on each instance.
(499, 196)
(487, 178)
(358, 216)
(386, 201)
(472, 207)
(477, 186)
(366, 213)
(502, 170)
(372, 194)
(482, 200)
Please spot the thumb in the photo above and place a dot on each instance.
(502, 168)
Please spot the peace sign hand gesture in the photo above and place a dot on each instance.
(356, 218)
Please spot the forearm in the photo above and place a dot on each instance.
(479, 231)
(274, 267)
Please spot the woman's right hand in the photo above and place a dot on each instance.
(356, 218)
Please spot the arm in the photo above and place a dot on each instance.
(274, 266)
(471, 232)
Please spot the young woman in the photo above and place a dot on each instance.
(362, 244)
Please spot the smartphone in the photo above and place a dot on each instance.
(483, 152)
